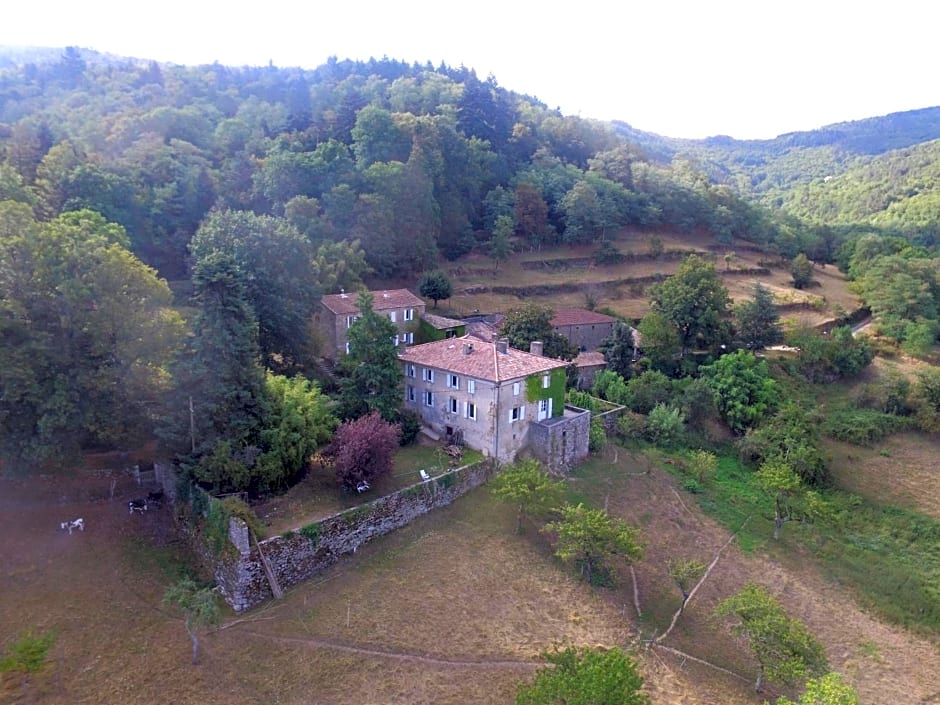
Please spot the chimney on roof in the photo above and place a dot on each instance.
(467, 348)
(536, 347)
(384, 294)
(502, 346)
(342, 294)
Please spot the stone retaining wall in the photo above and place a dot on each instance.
(297, 555)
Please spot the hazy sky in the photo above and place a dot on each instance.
(686, 68)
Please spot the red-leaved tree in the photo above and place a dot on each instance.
(362, 449)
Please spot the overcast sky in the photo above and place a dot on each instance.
(749, 69)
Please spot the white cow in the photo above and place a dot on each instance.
(73, 524)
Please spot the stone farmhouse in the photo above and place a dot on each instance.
(338, 311)
(584, 329)
(495, 399)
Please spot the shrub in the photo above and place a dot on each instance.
(665, 425)
(311, 532)
(648, 390)
(27, 654)
(582, 400)
(862, 426)
(597, 437)
(703, 465)
(410, 423)
(631, 425)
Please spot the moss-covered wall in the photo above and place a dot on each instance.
(556, 390)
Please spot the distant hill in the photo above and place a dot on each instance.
(767, 169)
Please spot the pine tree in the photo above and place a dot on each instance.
(758, 320)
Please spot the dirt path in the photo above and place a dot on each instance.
(397, 655)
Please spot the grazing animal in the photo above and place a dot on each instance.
(137, 505)
(155, 497)
(362, 486)
(73, 524)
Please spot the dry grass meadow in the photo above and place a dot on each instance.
(473, 274)
(454, 608)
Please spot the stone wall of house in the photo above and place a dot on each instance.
(297, 555)
(562, 442)
(587, 336)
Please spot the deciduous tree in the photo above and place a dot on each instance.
(827, 690)
(362, 450)
(499, 244)
(779, 480)
(435, 285)
(785, 649)
(585, 677)
(695, 301)
(276, 265)
(744, 390)
(199, 606)
(684, 574)
(534, 322)
(526, 485)
(801, 269)
(591, 537)
(88, 334)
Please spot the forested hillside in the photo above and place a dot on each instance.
(416, 162)
(768, 169)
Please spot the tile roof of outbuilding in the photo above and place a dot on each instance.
(346, 304)
(483, 362)
(579, 317)
(442, 322)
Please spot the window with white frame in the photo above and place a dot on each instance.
(350, 320)
(546, 381)
(471, 386)
(410, 370)
(429, 398)
(408, 338)
(516, 388)
(427, 374)
(395, 340)
(471, 411)
(409, 314)
(453, 381)
(411, 393)
(517, 413)
(453, 405)
(347, 347)
(393, 316)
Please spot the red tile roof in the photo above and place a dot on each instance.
(345, 304)
(484, 362)
(579, 317)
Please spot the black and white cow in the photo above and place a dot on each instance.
(137, 505)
